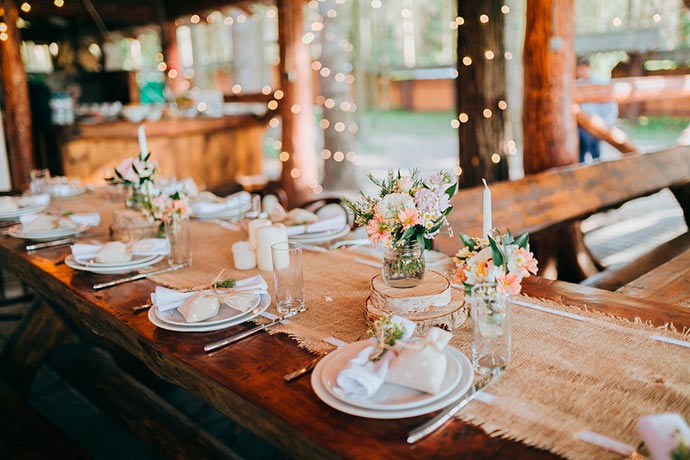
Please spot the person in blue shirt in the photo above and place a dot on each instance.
(607, 111)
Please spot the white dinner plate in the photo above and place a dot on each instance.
(389, 396)
(225, 312)
(59, 192)
(320, 237)
(14, 215)
(467, 375)
(225, 213)
(136, 261)
(46, 235)
(263, 305)
(70, 262)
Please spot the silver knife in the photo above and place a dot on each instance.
(446, 414)
(242, 335)
(137, 277)
(49, 244)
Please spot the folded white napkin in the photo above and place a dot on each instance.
(167, 299)
(42, 199)
(362, 378)
(662, 433)
(331, 223)
(145, 247)
(210, 203)
(90, 219)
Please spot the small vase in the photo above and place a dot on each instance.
(135, 200)
(403, 266)
(177, 233)
(491, 329)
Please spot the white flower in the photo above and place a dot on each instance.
(392, 204)
(405, 184)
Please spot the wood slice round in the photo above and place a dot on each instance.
(448, 317)
(433, 291)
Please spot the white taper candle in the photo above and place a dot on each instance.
(486, 227)
(143, 148)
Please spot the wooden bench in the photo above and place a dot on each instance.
(551, 204)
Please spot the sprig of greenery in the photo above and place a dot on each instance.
(386, 333)
(227, 283)
(681, 452)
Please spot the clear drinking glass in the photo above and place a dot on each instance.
(491, 329)
(287, 277)
(39, 181)
(177, 233)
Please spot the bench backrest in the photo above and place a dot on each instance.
(539, 201)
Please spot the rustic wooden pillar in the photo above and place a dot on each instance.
(300, 170)
(16, 91)
(481, 91)
(550, 134)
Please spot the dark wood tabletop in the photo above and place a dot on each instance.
(245, 381)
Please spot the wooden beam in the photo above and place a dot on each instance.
(550, 137)
(300, 170)
(16, 91)
(597, 128)
(635, 89)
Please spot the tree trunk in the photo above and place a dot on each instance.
(300, 172)
(480, 89)
(550, 135)
(338, 139)
(16, 92)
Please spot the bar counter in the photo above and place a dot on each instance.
(213, 151)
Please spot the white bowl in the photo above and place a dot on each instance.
(135, 113)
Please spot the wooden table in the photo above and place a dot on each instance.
(244, 381)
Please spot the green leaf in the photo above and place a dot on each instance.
(508, 239)
(523, 240)
(447, 211)
(467, 241)
(428, 244)
(407, 234)
(496, 253)
(228, 283)
(147, 156)
(421, 241)
(450, 191)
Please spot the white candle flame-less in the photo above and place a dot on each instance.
(486, 227)
(265, 238)
(253, 227)
(143, 147)
(244, 256)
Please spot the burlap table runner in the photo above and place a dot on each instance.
(566, 375)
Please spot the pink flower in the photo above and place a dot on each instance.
(409, 217)
(377, 230)
(530, 263)
(126, 170)
(508, 284)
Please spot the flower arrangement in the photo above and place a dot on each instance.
(407, 208)
(500, 259)
(138, 173)
(167, 208)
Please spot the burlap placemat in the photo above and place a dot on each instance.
(566, 375)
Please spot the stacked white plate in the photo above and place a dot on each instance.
(227, 316)
(15, 214)
(391, 401)
(136, 263)
(320, 237)
(228, 212)
(65, 190)
(46, 235)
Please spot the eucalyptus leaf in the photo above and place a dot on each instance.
(467, 241)
(508, 239)
(496, 253)
(407, 234)
(450, 191)
(523, 240)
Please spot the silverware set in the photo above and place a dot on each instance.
(243, 335)
(137, 277)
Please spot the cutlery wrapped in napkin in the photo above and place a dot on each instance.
(208, 203)
(421, 364)
(196, 305)
(331, 223)
(362, 378)
(663, 434)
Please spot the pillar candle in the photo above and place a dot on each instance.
(265, 238)
(253, 227)
(143, 147)
(486, 227)
(244, 256)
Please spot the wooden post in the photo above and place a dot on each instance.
(16, 91)
(481, 91)
(300, 170)
(550, 135)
